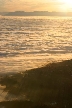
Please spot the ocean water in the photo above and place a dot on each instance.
(30, 42)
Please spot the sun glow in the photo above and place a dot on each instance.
(66, 5)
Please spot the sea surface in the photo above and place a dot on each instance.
(30, 42)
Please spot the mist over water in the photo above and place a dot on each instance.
(29, 42)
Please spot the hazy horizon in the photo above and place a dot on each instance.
(31, 5)
(36, 11)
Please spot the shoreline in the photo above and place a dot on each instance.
(46, 85)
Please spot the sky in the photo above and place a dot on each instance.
(35, 5)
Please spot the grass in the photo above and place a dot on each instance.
(50, 85)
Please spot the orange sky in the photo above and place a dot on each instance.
(38, 5)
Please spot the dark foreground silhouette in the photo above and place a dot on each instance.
(23, 104)
(46, 87)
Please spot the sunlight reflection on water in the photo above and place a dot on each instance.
(30, 42)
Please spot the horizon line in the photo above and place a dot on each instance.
(37, 11)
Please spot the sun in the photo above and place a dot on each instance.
(66, 5)
(68, 2)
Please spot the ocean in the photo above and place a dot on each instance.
(31, 42)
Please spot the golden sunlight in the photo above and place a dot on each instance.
(68, 2)
(67, 5)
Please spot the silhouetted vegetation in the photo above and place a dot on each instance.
(49, 86)
(23, 104)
